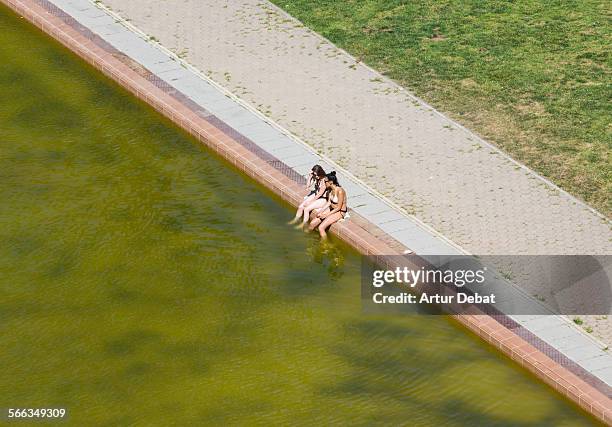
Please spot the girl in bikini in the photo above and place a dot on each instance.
(335, 207)
(314, 199)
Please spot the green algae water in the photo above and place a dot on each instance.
(144, 282)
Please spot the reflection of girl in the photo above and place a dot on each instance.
(314, 183)
(335, 207)
(328, 255)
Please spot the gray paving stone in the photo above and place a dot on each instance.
(362, 198)
(261, 132)
(127, 42)
(352, 190)
(392, 227)
(509, 305)
(149, 57)
(173, 72)
(254, 125)
(374, 206)
(543, 322)
(162, 67)
(271, 144)
(605, 374)
(305, 159)
(80, 5)
(573, 341)
(217, 105)
(363, 201)
(73, 7)
(387, 215)
(512, 300)
(106, 29)
(237, 118)
(93, 12)
(223, 105)
(288, 151)
(103, 20)
(583, 352)
(431, 247)
(602, 361)
(522, 318)
(557, 333)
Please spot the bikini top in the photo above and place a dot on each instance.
(334, 200)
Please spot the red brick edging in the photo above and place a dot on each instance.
(358, 232)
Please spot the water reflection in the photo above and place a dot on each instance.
(328, 254)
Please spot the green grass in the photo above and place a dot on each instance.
(532, 77)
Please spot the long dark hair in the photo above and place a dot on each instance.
(318, 171)
(332, 177)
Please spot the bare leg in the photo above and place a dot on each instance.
(301, 207)
(311, 217)
(314, 223)
(317, 204)
(318, 219)
(329, 220)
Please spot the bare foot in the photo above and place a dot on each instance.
(294, 220)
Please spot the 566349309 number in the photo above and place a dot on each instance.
(13, 414)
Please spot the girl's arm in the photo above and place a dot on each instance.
(321, 191)
(309, 181)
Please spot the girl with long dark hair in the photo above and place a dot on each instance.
(317, 190)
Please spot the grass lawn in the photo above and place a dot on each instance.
(531, 76)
